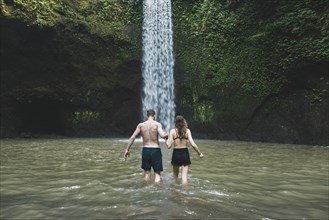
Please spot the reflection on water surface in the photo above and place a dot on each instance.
(89, 179)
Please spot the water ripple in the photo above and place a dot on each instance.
(87, 179)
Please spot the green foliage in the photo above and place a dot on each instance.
(246, 48)
(102, 16)
(94, 99)
(319, 93)
(85, 117)
(225, 48)
(315, 96)
(112, 16)
(204, 112)
(40, 12)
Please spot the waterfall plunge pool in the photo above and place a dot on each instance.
(89, 179)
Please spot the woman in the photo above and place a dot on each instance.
(180, 157)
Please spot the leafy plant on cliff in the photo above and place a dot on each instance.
(40, 12)
(102, 16)
(246, 48)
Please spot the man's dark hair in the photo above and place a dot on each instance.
(150, 112)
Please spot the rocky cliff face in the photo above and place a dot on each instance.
(70, 79)
(298, 114)
(65, 80)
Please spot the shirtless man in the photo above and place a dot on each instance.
(151, 154)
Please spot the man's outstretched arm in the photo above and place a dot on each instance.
(131, 141)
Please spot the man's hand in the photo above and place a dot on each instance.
(127, 154)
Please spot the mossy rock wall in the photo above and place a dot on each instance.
(65, 80)
(243, 70)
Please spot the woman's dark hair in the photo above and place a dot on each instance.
(181, 125)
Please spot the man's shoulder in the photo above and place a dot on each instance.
(141, 124)
(157, 122)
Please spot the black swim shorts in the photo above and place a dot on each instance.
(180, 157)
(152, 157)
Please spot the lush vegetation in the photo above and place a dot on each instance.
(232, 49)
(112, 14)
(231, 56)
(117, 19)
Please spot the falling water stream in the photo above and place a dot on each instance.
(158, 61)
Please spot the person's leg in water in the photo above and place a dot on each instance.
(184, 174)
(146, 163)
(147, 175)
(175, 171)
(157, 164)
(157, 177)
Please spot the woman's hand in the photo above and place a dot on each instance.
(127, 154)
(201, 155)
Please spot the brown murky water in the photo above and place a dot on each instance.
(89, 179)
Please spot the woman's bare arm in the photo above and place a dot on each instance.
(195, 147)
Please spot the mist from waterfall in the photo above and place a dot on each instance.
(158, 61)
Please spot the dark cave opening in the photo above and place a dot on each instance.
(41, 117)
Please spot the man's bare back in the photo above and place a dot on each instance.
(149, 131)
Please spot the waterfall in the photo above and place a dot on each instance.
(158, 61)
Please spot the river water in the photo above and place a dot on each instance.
(89, 179)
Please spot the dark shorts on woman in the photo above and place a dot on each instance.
(180, 157)
(152, 157)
